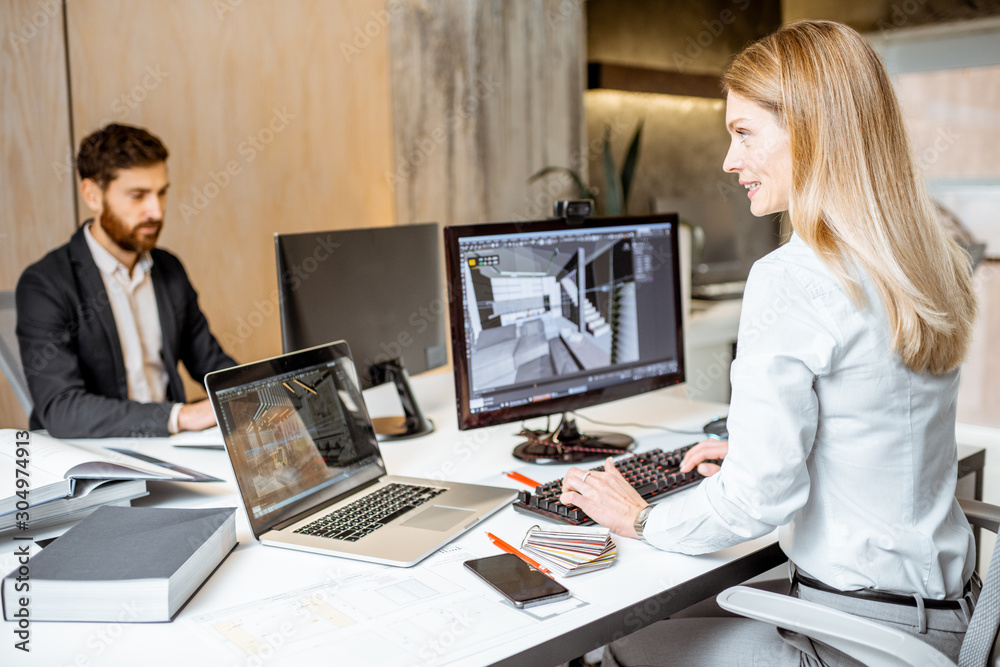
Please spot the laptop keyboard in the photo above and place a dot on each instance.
(352, 522)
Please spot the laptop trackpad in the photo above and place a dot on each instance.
(438, 518)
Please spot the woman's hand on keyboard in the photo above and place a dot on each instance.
(606, 497)
(705, 455)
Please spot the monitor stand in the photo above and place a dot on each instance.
(568, 445)
(412, 423)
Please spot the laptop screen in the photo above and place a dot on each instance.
(296, 430)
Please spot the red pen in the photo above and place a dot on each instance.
(511, 550)
(521, 478)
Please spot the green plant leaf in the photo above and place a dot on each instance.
(583, 191)
(629, 166)
(612, 184)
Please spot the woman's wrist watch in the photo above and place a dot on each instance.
(640, 520)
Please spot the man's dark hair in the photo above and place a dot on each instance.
(115, 147)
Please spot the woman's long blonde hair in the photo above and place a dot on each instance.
(857, 196)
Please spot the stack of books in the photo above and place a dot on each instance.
(573, 550)
(50, 481)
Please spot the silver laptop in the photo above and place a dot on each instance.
(309, 469)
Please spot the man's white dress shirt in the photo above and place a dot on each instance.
(133, 304)
(834, 440)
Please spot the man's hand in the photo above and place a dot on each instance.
(196, 416)
(605, 496)
(704, 451)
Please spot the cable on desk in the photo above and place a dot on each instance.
(534, 438)
(659, 428)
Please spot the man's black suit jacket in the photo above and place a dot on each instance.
(71, 351)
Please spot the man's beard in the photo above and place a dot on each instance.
(130, 240)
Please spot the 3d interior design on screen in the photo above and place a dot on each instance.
(294, 434)
(279, 415)
(539, 312)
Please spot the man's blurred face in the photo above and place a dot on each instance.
(132, 213)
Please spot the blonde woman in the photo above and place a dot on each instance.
(842, 421)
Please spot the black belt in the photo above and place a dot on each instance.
(877, 596)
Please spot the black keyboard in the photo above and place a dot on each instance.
(653, 474)
(352, 522)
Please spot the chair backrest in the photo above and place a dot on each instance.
(984, 515)
(10, 356)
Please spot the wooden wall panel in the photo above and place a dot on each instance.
(485, 93)
(36, 189)
(863, 15)
(948, 114)
(979, 392)
(276, 116)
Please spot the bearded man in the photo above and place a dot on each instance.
(103, 321)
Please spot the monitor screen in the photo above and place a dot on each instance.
(296, 428)
(555, 315)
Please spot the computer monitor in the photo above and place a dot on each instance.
(554, 315)
(381, 290)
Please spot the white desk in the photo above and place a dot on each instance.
(645, 585)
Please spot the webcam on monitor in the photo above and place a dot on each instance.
(573, 209)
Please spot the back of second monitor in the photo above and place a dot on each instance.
(381, 290)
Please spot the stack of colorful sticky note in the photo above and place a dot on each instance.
(572, 550)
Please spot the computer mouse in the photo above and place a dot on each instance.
(717, 429)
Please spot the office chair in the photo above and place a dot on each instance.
(10, 357)
(871, 643)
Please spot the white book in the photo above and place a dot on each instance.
(51, 468)
(90, 494)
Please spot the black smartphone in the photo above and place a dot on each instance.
(517, 581)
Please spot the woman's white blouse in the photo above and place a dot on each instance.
(834, 440)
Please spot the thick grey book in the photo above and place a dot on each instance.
(122, 564)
